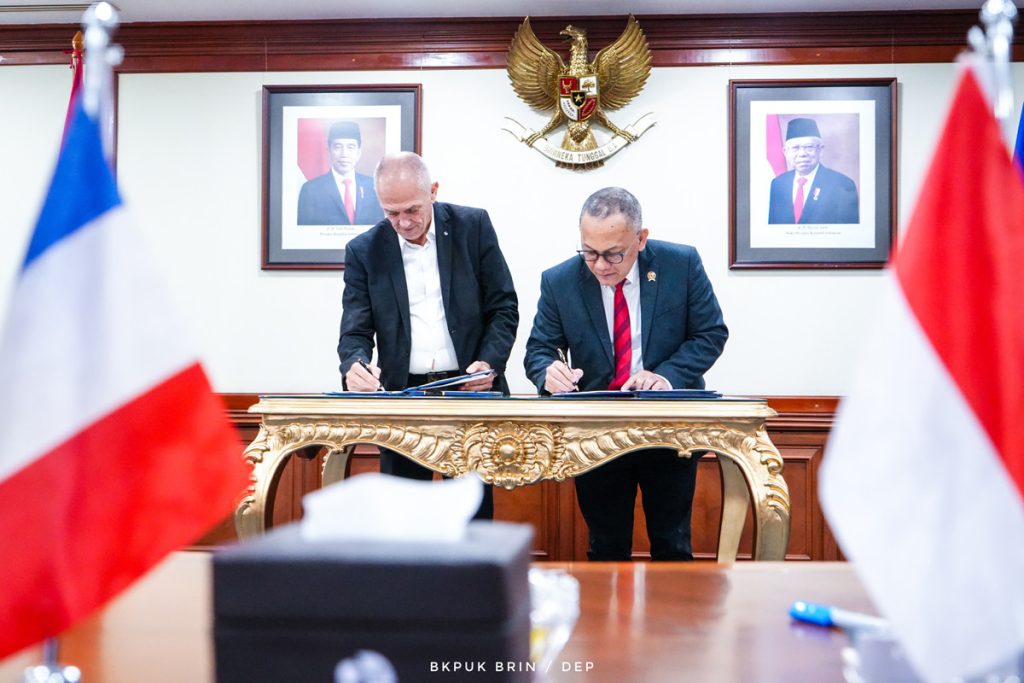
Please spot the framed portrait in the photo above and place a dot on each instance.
(812, 173)
(320, 147)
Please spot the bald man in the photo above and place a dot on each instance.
(431, 286)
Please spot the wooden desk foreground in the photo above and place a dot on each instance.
(639, 622)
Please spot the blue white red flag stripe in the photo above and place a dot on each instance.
(114, 451)
(922, 480)
(1018, 146)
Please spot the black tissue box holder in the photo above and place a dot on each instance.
(289, 610)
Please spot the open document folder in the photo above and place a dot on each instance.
(437, 387)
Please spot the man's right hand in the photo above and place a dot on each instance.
(560, 378)
(359, 378)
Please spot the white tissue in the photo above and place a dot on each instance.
(378, 507)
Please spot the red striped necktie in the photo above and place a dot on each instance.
(350, 207)
(623, 339)
(798, 201)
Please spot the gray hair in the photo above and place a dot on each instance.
(405, 167)
(610, 200)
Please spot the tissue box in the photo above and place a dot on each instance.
(289, 610)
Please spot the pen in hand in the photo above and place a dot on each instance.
(380, 387)
(561, 357)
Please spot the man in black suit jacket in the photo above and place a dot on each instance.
(810, 193)
(431, 285)
(676, 333)
(341, 196)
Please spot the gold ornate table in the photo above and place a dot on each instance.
(511, 442)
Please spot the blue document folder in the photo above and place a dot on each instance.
(663, 395)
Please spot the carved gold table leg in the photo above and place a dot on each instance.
(252, 517)
(335, 464)
(757, 467)
(735, 501)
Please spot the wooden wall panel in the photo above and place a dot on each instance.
(799, 432)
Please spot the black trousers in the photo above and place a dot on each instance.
(607, 497)
(398, 465)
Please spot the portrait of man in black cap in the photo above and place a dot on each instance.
(341, 196)
(810, 192)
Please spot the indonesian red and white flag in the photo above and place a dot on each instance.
(923, 479)
(113, 449)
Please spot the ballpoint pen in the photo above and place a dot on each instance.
(561, 357)
(826, 615)
(380, 387)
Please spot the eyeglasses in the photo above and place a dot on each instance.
(612, 258)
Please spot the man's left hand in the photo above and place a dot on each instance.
(482, 384)
(646, 380)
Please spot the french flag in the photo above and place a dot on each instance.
(113, 451)
(923, 478)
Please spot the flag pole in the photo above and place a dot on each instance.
(77, 47)
(50, 671)
(99, 22)
(990, 56)
(998, 17)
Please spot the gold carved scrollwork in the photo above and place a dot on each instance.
(593, 446)
(507, 454)
(590, 447)
(777, 493)
(408, 439)
(250, 510)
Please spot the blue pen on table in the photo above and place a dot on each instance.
(826, 615)
(380, 387)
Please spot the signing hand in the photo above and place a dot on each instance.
(362, 377)
(559, 378)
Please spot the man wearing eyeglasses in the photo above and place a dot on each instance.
(810, 193)
(632, 313)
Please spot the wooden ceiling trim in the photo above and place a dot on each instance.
(775, 39)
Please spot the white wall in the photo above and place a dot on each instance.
(33, 102)
(189, 165)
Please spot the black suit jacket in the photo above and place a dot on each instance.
(831, 199)
(682, 331)
(479, 298)
(320, 203)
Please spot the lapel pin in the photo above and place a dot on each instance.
(651, 276)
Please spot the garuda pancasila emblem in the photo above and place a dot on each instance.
(580, 92)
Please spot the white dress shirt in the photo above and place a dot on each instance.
(432, 347)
